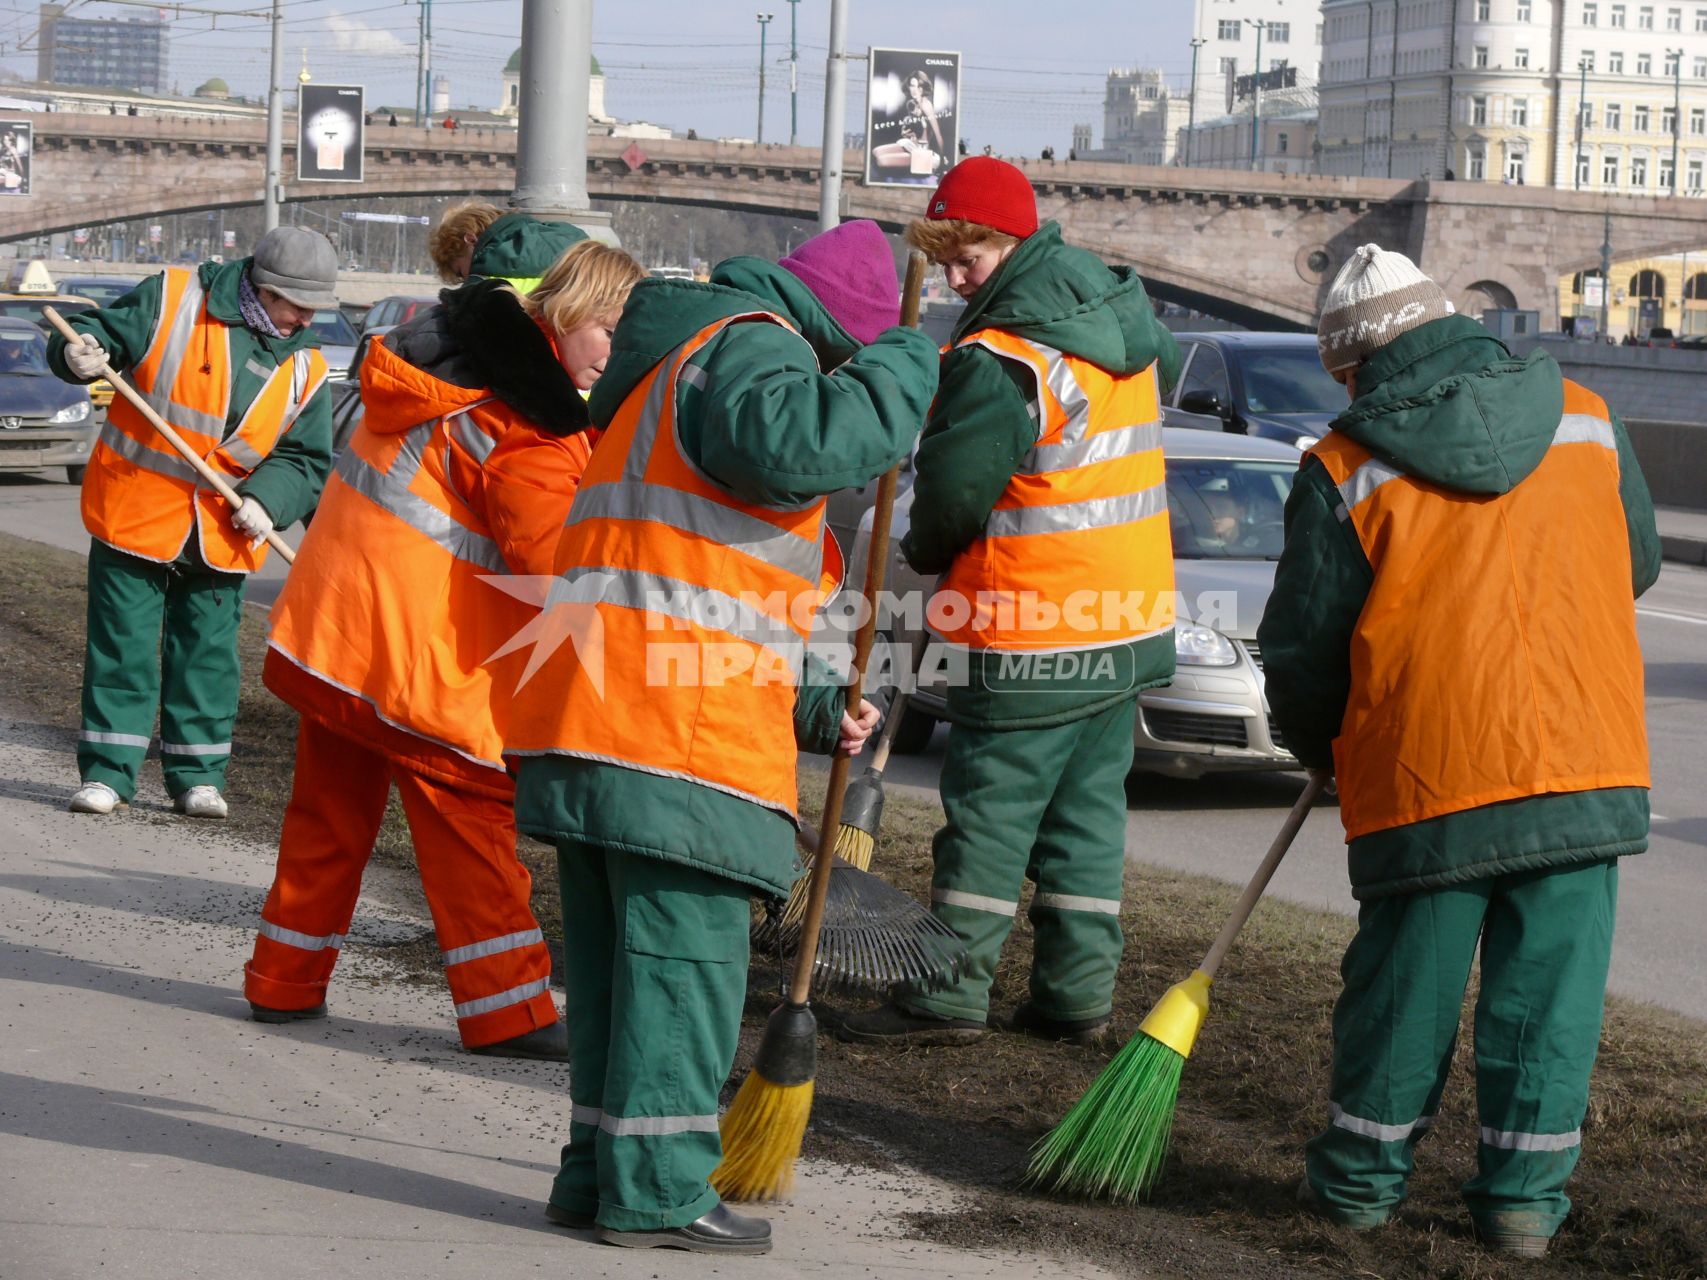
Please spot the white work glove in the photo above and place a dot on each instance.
(85, 359)
(251, 519)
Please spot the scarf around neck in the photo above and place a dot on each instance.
(254, 313)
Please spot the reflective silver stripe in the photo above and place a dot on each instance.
(1069, 517)
(254, 366)
(390, 491)
(580, 1113)
(183, 417)
(138, 454)
(655, 1126)
(477, 443)
(1074, 902)
(503, 1000)
(1342, 513)
(492, 947)
(302, 364)
(692, 513)
(195, 748)
(1585, 428)
(300, 396)
(1369, 477)
(673, 598)
(179, 339)
(693, 375)
(1374, 1129)
(242, 453)
(1511, 1140)
(301, 941)
(1123, 442)
(115, 739)
(973, 902)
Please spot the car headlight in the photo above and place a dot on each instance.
(1303, 443)
(1196, 646)
(72, 413)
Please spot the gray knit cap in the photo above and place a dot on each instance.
(297, 264)
(1377, 296)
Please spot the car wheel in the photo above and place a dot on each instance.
(914, 732)
(75, 474)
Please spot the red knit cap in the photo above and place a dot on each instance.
(990, 192)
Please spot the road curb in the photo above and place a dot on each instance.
(1681, 549)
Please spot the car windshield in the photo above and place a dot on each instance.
(31, 309)
(22, 352)
(333, 328)
(1228, 508)
(104, 292)
(1288, 379)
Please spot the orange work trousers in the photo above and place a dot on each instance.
(465, 845)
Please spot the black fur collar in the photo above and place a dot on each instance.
(513, 357)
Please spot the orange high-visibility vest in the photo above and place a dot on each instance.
(1077, 553)
(684, 611)
(400, 594)
(1496, 656)
(139, 494)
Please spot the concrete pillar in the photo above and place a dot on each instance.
(551, 149)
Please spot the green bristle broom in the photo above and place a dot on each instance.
(1111, 1145)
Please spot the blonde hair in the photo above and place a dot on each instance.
(461, 225)
(940, 238)
(590, 280)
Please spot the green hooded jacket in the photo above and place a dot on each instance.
(1448, 403)
(520, 249)
(981, 427)
(289, 479)
(773, 424)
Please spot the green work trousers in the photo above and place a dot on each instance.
(1545, 940)
(655, 961)
(160, 638)
(1048, 805)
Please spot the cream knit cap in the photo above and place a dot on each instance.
(1377, 296)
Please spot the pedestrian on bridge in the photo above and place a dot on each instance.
(389, 639)
(1453, 632)
(224, 353)
(1038, 479)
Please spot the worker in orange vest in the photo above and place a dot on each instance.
(393, 639)
(1453, 631)
(225, 354)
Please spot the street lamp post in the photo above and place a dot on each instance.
(764, 20)
(275, 125)
(1606, 275)
(551, 141)
(1191, 104)
(1256, 93)
(793, 73)
(1582, 112)
(835, 109)
(1676, 56)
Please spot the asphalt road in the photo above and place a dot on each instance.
(1220, 826)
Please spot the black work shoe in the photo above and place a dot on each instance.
(546, 1044)
(1081, 1031)
(1512, 1233)
(720, 1231)
(260, 1013)
(892, 1024)
(568, 1218)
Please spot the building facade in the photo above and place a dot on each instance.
(1283, 140)
(1494, 90)
(1141, 119)
(102, 53)
(1227, 38)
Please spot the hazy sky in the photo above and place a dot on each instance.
(1032, 70)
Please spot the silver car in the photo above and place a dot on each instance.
(1226, 497)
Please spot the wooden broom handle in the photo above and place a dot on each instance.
(876, 567)
(1319, 779)
(215, 481)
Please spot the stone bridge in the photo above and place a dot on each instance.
(1260, 248)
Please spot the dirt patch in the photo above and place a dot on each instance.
(1254, 1090)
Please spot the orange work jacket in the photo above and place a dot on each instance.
(1077, 553)
(682, 611)
(420, 568)
(139, 494)
(1496, 656)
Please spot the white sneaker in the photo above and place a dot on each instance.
(94, 797)
(201, 802)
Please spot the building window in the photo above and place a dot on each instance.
(1586, 61)
(1281, 143)
(1700, 69)
(1614, 117)
(1701, 20)
(1644, 64)
(1482, 10)
(1617, 16)
(1668, 120)
(1639, 117)
(1514, 167)
(1523, 10)
(1520, 58)
(1615, 64)
(1280, 33)
(1585, 116)
(1698, 122)
(1478, 110)
(1674, 19)
(1638, 171)
(1582, 171)
(1478, 166)
(1591, 15)
(1609, 171)
(1645, 18)
(1665, 173)
(1693, 182)
(1674, 62)
(1481, 55)
(1229, 29)
(1520, 112)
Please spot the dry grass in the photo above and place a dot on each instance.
(1254, 1089)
